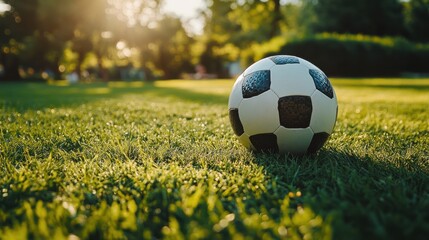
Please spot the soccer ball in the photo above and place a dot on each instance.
(283, 104)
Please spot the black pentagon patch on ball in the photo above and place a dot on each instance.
(318, 141)
(236, 124)
(295, 111)
(322, 83)
(256, 83)
(265, 142)
(281, 60)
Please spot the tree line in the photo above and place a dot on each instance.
(50, 38)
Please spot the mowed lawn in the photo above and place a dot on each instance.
(159, 160)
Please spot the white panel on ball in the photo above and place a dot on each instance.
(324, 112)
(308, 64)
(236, 96)
(294, 140)
(259, 114)
(264, 64)
(291, 79)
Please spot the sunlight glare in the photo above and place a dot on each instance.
(187, 10)
(4, 7)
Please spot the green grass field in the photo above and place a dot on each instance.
(159, 160)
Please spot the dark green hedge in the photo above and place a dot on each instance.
(357, 55)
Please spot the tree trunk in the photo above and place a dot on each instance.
(80, 58)
(101, 70)
(277, 17)
(11, 68)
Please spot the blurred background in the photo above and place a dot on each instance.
(102, 40)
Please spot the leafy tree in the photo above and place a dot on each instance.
(36, 32)
(418, 20)
(164, 46)
(16, 25)
(173, 47)
(218, 31)
(381, 17)
(89, 23)
(233, 26)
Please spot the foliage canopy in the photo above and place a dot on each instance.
(105, 37)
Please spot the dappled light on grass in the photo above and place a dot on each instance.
(383, 90)
(97, 91)
(220, 87)
(61, 83)
(122, 84)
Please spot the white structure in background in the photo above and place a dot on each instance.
(72, 77)
(234, 69)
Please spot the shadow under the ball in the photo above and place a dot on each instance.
(350, 189)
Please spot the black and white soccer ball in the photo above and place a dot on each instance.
(283, 104)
